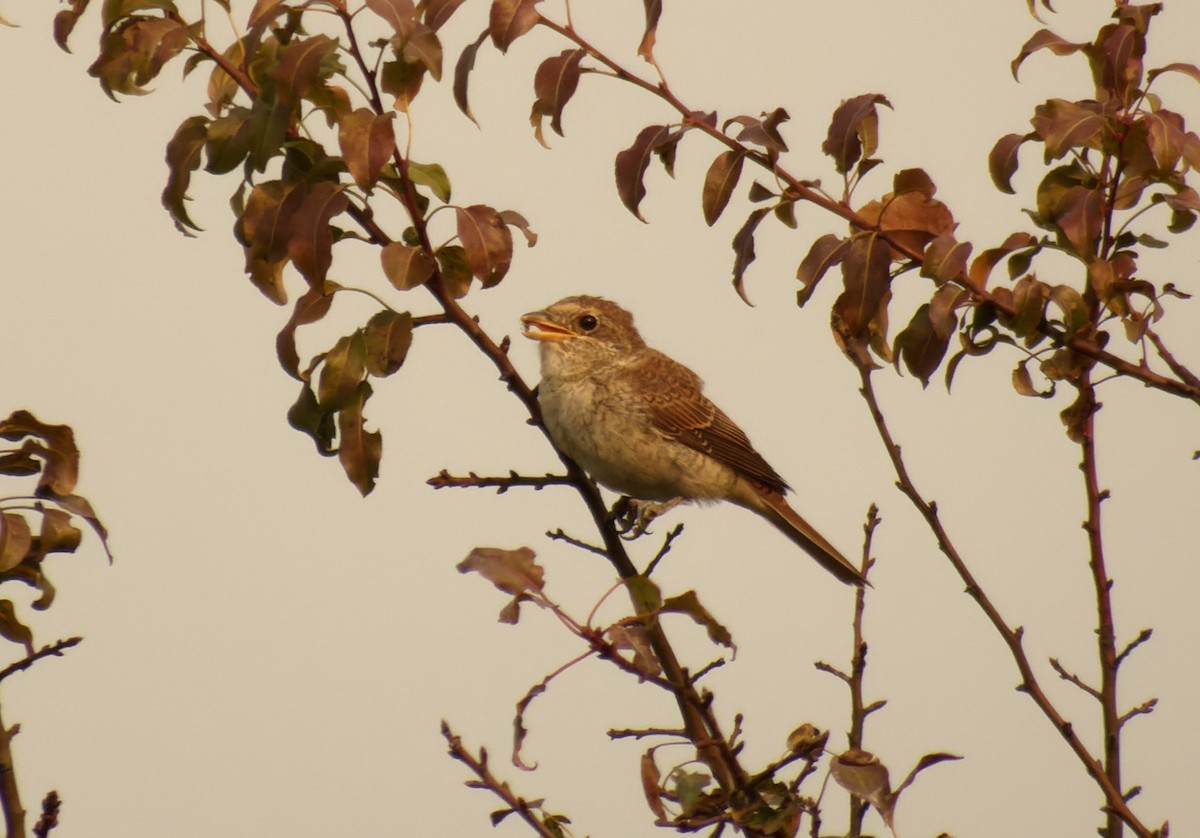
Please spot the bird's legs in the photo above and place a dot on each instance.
(633, 516)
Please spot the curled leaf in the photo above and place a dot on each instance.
(852, 130)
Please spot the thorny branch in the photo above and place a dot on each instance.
(443, 479)
(1012, 637)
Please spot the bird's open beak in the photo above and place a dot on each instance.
(537, 326)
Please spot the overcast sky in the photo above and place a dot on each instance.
(271, 654)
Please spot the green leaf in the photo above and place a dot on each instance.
(431, 176)
(306, 416)
(455, 270)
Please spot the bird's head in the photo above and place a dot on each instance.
(579, 333)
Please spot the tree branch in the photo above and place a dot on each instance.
(443, 480)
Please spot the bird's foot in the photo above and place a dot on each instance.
(633, 516)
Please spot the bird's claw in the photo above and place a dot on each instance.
(632, 517)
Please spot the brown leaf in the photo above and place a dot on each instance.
(982, 267)
(1022, 382)
(265, 231)
(310, 307)
(306, 416)
(634, 638)
(863, 775)
(914, 180)
(1003, 161)
(1044, 39)
(344, 368)
(462, 74)
(437, 12)
(1081, 218)
(510, 19)
(512, 571)
(763, 132)
(719, 184)
(183, 158)
(311, 244)
(945, 258)
(367, 141)
(58, 534)
(853, 121)
(1190, 70)
(689, 603)
(399, 14)
(743, 249)
(15, 540)
(826, 252)
(920, 346)
(133, 53)
(1116, 59)
(423, 46)
(631, 164)
(649, 35)
(927, 761)
(12, 628)
(59, 454)
(406, 267)
(64, 22)
(1029, 298)
(553, 85)
(651, 785)
(910, 218)
(302, 64)
(1063, 126)
(388, 337)
(514, 219)
(359, 450)
(487, 242)
(865, 281)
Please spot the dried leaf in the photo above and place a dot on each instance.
(406, 267)
(913, 180)
(853, 120)
(1063, 126)
(826, 252)
(1044, 39)
(514, 219)
(553, 85)
(462, 74)
(689, 603)
(437, 12)
(487, 242)
(927, 761)
(865, 282)
(512, 571)
(649, 35)
(982, 267)
(367, 141)
(359, 450)
(306, 416)
(265, 231)
(1003, 161)
(631, 164)
(920, 346)
(719, 184)
(399, 14)
(302, 65)
(16, 538)
(183, 158)
(651, 787)
(59, 454)
(12, 628)
(863, 775)
(344, 368)
(311, 244)
(634, 639)
(510, 19)
(945, 258)
(388, 338)
(743, 249)
(311, 306)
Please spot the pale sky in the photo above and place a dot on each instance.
(270, 654)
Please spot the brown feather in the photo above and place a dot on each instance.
(679, 410)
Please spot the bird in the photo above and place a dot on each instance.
(639, 423)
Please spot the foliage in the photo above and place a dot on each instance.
(308, 107)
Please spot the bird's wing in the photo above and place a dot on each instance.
(678, 409)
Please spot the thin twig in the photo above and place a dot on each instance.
(1074, 679)
(1143, 636)
(445, 480)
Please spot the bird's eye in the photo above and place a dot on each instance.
(588, 322)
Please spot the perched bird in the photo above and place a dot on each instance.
(640, 424)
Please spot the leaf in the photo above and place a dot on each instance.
(927, 761)
(631, 164)
(487, 242)
(113, 12)
(911, 219)
(689, 603)
(265, 230)
(12, 628)
(306, 416)
(228, 141)
(311, 306)
(512, 571)
(1074, 310)
(650, 34)
(1064, 126)
(388, 336)
(398, 14)
(634, 638)
(1022, 382)
(743, 249)
(16, 539)
(1044, 39)
(865, 282)
(826, 252)
(311, 244)
(431, 176)
(719, 184)
(1189, 70)
(982, 267)
(914, 180)
(455, 270)
(58, 534)
(343, 369)
(920, 346)
(650, 785)
(422, 46)
(863, 775)
(406, 267)
(1081, 218)
(359, 450)
(763, 132)
(945, 258)
(462, 74)
(510, 19)
(302, 65)
(183, 158)
(514, 219)
(367, 141)
(1003, 161)
(853, 120)
(553, 85)
(133, 54)
(437, 12)
(59, 454)
(64, 22)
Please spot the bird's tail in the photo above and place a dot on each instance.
(788, 521)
